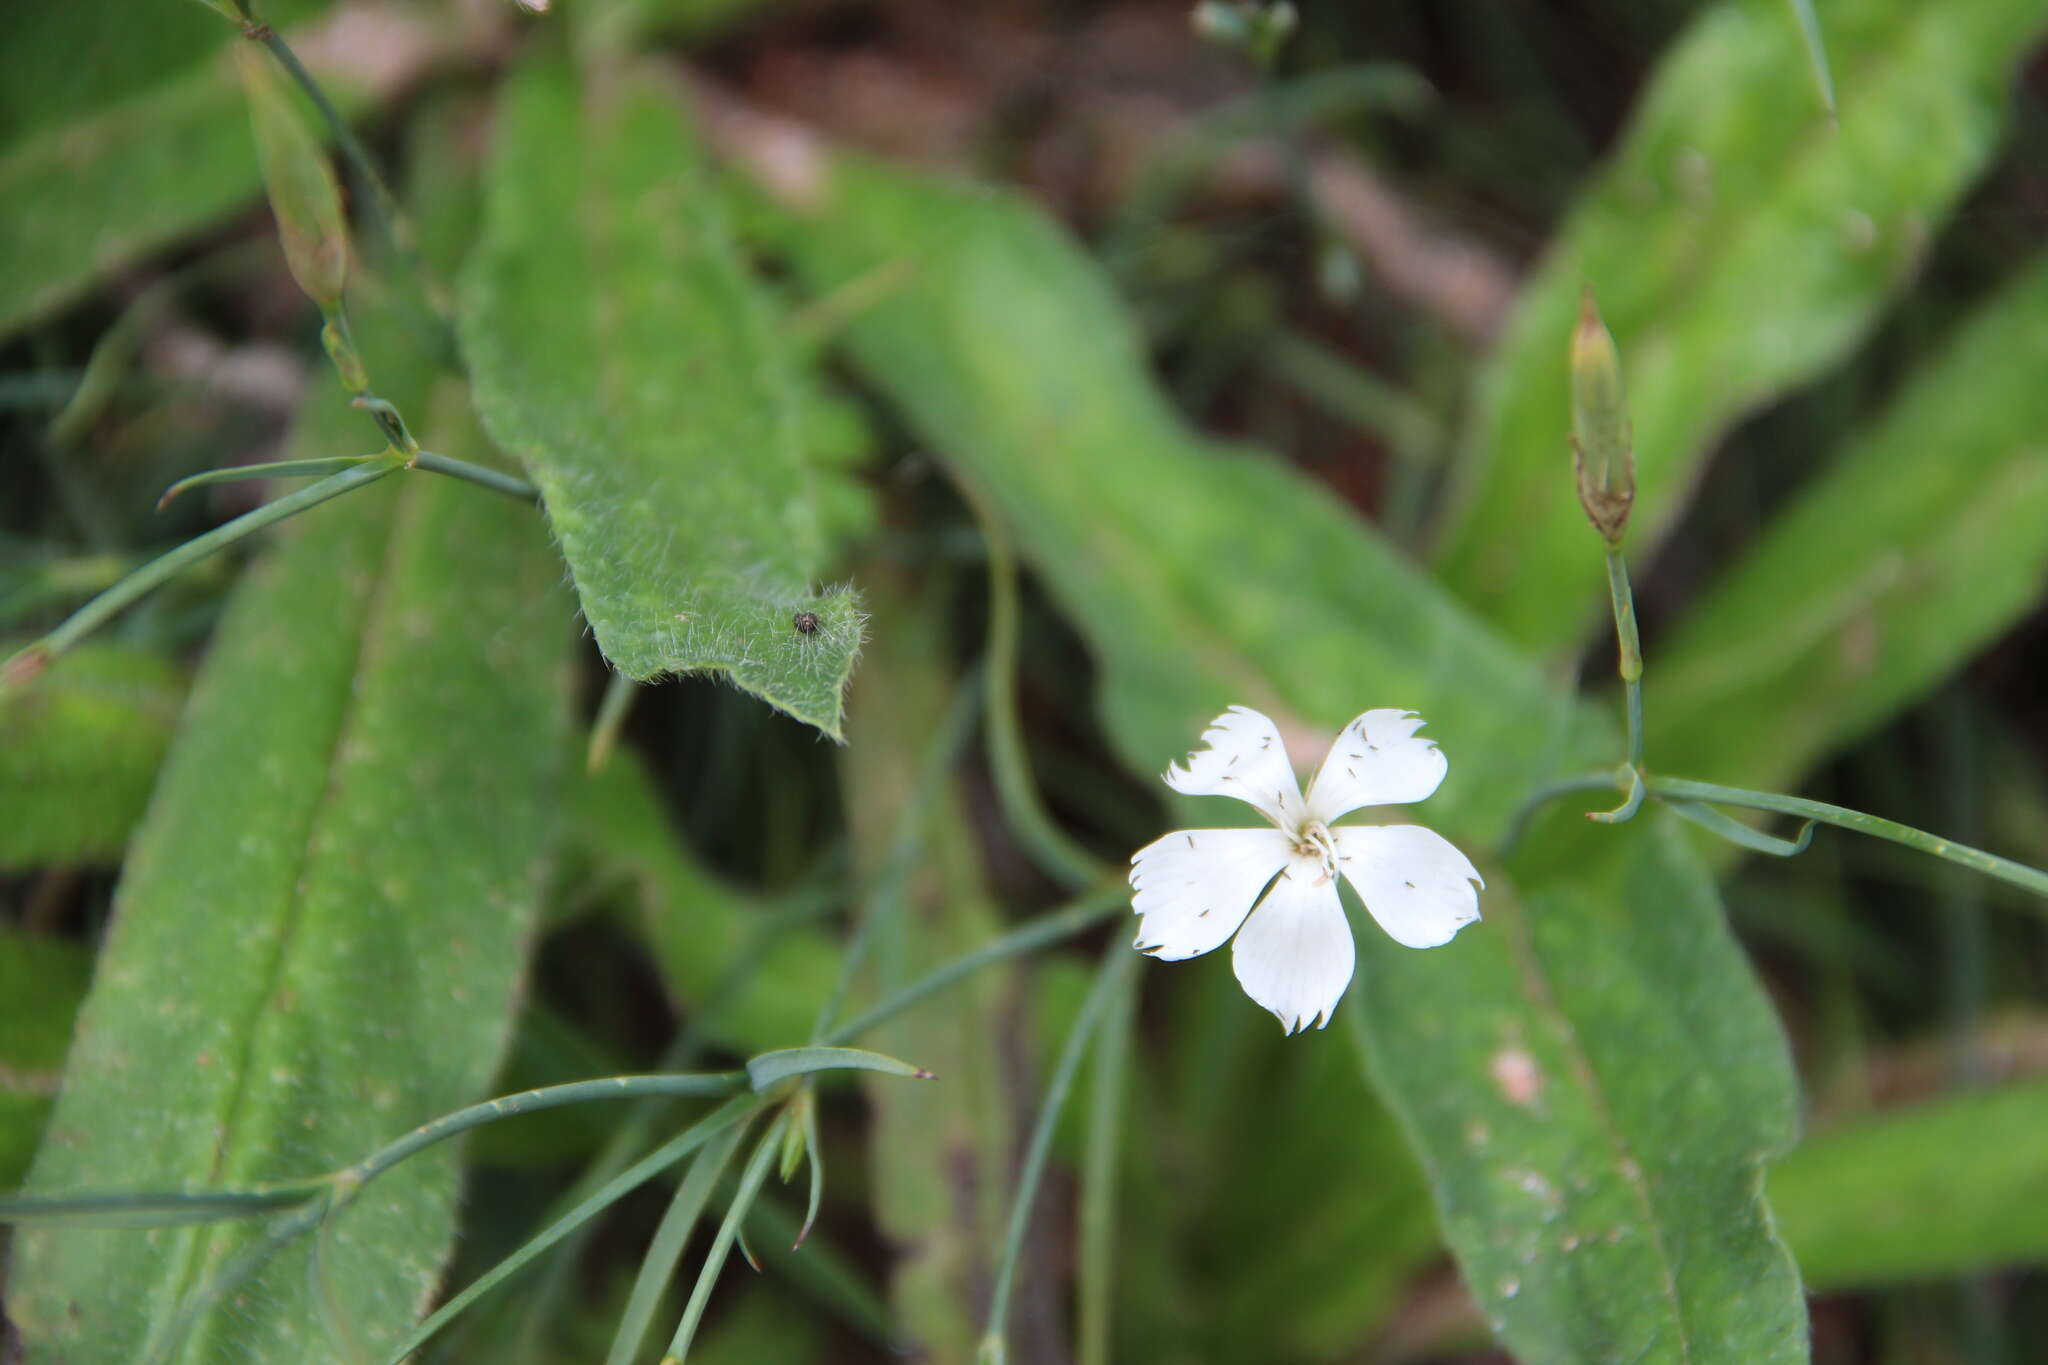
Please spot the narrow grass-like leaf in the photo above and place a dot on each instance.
(639, 1173)
(941, 1155)
(624, 354)
(1740, 242)
(1816, 50)
(770, 1067)
(1923, 542)
(79, 749)
(1942, 1187)
(721, 1245)
(324, 949)
(1515, 1057)
(693, 1192)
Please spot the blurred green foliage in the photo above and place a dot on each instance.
(731, 396)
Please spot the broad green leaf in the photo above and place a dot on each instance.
(1924, 541)
(322, 925)
(699, 929)
(78, 751)
(1739, 243)
(1203, 576)
(940, 1163)
(122, 128)
(1943, 1187)
(42, 979)
(624, 354)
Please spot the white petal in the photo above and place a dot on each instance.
(1245, 759)
(1377, 761)
(1195, 886)
(1413, 880)
(1294, 954)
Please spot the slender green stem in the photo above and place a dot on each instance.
(477, 474)
(694, 1084)
(97, 612)
(2004, 869)
(721, 1245)
(1630, 664)
(1630, 779)
(1049, 845)
(1816, 52)
(887, 895)
(639, 1173)
(149, 1209)
(619, 692)
(1081, 913)
(1117, 964)
(1097, 1274)
(1735, 832)
(278, 469)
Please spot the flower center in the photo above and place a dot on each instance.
(1313, 840)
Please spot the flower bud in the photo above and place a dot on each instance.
(303, 194)
(1603, 448)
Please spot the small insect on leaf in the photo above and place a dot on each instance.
(806, 622)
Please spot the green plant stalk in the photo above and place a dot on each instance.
(145, 1209)
(1096, 1287)
(666, 1250)
(619, 691)
(1816, 51)
(1049, 845)
(477, 474)
(352, 1179)
(1630, 663)
(721, 1245)
(1110, 981)
(97, 612)
(734, 1110)
(1082, 913)
(1990, 864)
(887, 895)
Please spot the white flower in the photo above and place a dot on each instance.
(1195, 887)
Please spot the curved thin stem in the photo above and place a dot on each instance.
(1109, 981)
(1630, 648)
(477, 474)
(1082, 913)
(1630, 779)
(532, 1102)
(1991, 865)
(101, 609)
(887, 893)
(1049, 845)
